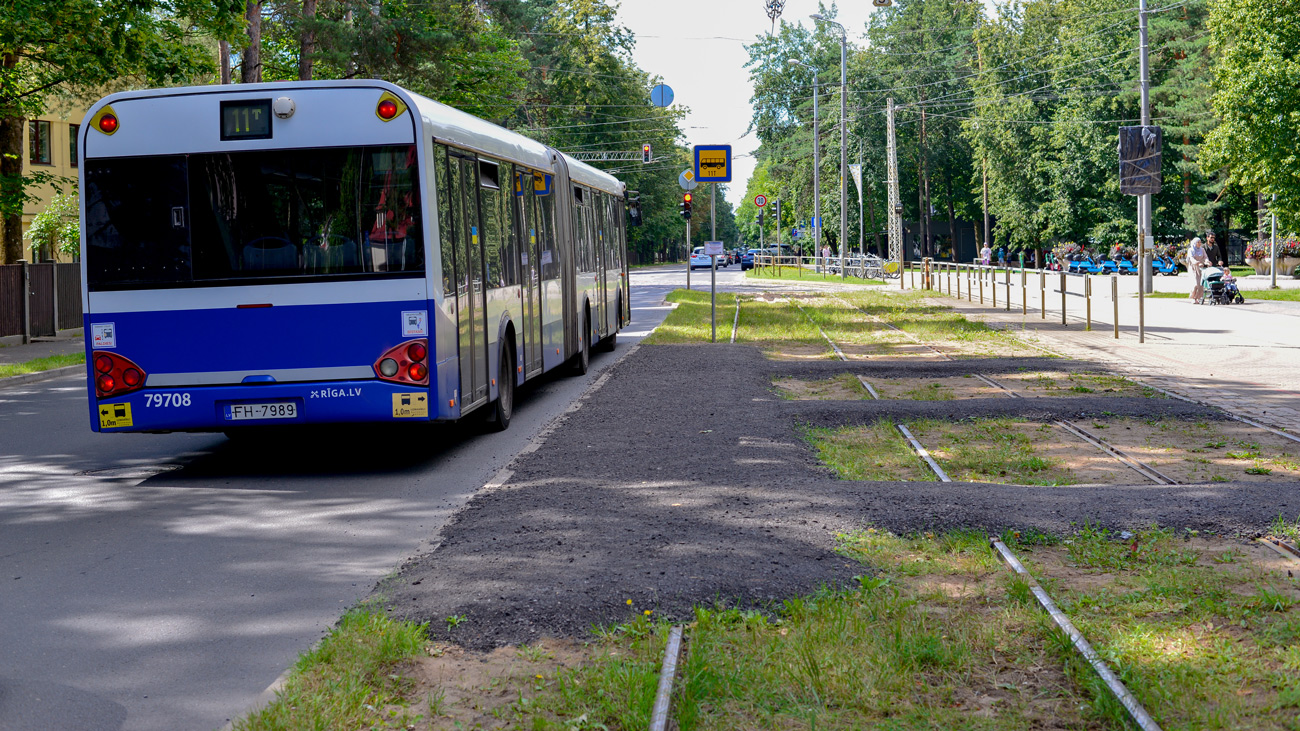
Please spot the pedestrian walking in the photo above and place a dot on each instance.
(1196, 263)
(826, 254)
(986, 255)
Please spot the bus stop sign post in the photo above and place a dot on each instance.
(714, 249)
(713, 165)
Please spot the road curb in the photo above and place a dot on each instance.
(42, 375)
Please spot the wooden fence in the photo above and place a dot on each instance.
(52, 301)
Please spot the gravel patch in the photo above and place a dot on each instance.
(685, 481)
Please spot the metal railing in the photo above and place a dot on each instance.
(993, 285)
(862, 267)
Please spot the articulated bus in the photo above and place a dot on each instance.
(332, 252)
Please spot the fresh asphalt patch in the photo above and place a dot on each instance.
(685, 480)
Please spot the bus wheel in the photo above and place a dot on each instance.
(582, 360)
(503, 409)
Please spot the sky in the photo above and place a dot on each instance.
(675, 38)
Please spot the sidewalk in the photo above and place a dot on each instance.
(1240, 358)
(41, 348)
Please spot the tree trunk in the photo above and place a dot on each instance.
(223, 53)
(952, 218)
(926, 236)
(307, 40)
(11, 169)
(251, 66)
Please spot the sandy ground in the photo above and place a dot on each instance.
(672, 497)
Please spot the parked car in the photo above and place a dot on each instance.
(747, 260)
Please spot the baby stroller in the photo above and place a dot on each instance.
(1216, 291)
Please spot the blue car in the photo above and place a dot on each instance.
(747, 260)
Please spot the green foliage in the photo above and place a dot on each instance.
(56, 228)
(1258, 99)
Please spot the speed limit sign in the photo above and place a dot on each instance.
(760, 200)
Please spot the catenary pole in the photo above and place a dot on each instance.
(1144, 201)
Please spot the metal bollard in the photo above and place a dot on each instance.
(1024, 292)
(1114, 297)
(981, 278)
(1008, 289)
(959, 270)
(1087, 299)
(1042, 293)
(993, 287)
(969, 293)
(1063, 298)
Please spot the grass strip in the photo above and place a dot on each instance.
(1284, 295)
(689, 321)
(36, 365)
(921, 316)
(345, 682)
(1201, 633)
(875, 452)
(797, 274)
(1001, 450)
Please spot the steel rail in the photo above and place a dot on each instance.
(1116, 686)
(667, 673)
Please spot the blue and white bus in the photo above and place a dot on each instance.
(332, 252)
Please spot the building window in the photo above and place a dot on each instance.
(73, 129)
(39, 132)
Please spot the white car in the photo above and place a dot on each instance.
(700, 260)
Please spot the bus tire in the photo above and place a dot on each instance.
(582, 361)
(504, 407)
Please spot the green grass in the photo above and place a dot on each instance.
(41, 364)
(799, 274)
(1284, 295)
(875, 452)
(345, 682)
(920, 315)
(690, 321)
(1204, 640)
(999, 450)
(928, 630)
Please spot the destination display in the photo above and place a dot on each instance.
(246, 120)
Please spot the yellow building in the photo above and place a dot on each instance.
(50, 146)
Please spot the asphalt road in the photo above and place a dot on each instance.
(162, 582)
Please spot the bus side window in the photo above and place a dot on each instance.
(445, 193)
(510, 239)
(490, 205)
(550, 263)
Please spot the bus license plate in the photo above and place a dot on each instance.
(244, 412)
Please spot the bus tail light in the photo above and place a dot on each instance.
(115, 375)
(405, 363)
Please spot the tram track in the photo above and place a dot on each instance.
(1128, 460)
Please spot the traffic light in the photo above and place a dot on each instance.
(645, 153)
(686, 206)
(760, 216)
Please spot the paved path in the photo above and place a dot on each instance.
(1239, 357)
(42, 348)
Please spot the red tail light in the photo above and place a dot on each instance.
(405, 363)
(115, 375)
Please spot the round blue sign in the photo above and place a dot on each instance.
(661, 95)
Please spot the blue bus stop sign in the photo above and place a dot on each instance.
(661, 95)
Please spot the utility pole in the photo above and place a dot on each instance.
(1144, 201)
(862, 243)
(895, 203)
(844, 149)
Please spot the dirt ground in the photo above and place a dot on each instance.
(673, 498)
(1205, 451)
(459, 688)
(1065, 383)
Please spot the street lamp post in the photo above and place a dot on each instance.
(844, 137)
(817, 164)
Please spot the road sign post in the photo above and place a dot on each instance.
(714, 249)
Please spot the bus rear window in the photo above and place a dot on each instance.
(209, 219)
